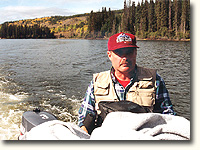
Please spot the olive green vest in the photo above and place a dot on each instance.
(141, 92)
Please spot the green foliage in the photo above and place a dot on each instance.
(101, 23)
(156, 19)
(20, 32)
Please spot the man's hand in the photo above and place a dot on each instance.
(84, 128)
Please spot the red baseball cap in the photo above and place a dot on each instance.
(121, 40)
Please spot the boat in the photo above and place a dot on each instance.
(118, 125)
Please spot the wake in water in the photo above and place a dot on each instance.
(15, 102)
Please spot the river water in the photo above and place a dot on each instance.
(53, 74)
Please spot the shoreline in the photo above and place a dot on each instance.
(176, 40)
(138, 39)
(105, 38)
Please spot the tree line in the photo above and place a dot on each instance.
(154, 19)
(11, 31)
(149, 19)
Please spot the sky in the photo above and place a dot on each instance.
(12, 10)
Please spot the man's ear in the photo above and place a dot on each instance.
(136, 51)
(109, 54)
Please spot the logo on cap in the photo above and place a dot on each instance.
(123, 38)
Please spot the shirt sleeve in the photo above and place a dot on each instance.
(88, 104)
(162, 103)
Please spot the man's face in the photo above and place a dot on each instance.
(123, 60)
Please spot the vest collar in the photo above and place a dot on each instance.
(114, 79)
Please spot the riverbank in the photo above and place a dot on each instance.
(106, 38)
(138, 39)
(163, 39)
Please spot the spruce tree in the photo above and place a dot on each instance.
(151, 17)
(158, 14)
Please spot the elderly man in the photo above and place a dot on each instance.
(125, 82)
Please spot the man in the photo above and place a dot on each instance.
(125, 81)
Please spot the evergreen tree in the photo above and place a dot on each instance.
(151, 17)
(91, 22)
(145, 16)
(158, 14)
(175, 23)
(132, 19)
(184, 16)
(188, 16)
(170, 15)
(124, 24)
(164, 13)
(18, 32)
(138, 19)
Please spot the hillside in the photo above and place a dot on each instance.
(62, 26)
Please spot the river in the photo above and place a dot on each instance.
(53, 74)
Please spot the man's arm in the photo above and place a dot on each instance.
(87, 106)
(163, 103)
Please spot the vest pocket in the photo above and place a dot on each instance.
(101, 90)
(146, 96)
(145, 83)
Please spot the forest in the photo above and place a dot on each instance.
(25, 32)
(149, 19)
(162, 19)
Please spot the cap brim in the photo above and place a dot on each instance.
(124, 47)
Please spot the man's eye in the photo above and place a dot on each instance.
(119, 53)
(130, 52)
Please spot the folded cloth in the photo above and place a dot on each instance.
(145, 126)
(117, 126)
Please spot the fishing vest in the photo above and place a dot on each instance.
(142, 91)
